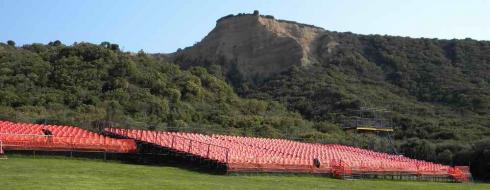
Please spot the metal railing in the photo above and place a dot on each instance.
(179, 143)
(193, 146)
(362, 122)
(55, 143)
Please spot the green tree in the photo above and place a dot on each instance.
(11, 43)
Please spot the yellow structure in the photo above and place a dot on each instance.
(371, 129)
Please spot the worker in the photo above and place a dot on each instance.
(316, 162)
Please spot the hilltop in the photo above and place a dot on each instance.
(255, 46)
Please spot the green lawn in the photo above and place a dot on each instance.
(61, 173)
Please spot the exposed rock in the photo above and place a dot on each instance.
(256, 46)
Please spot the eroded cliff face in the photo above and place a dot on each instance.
(255, 46)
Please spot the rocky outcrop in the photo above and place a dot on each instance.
(256, 46)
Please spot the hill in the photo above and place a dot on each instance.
(438, 90)
(28, 173)
(94, 86)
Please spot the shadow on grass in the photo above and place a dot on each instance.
(160, 157)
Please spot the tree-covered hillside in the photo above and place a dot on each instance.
(438, 91)
(98, 85)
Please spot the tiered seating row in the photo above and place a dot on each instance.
(21, 136)
(263, 154)
(238, 157)
(357, 159)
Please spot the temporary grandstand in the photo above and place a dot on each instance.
(249, 154)
(233, 154)
(22, 136)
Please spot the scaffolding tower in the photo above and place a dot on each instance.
(375, 121)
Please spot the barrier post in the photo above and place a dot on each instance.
(207, 154)
(227, 151)
(2, 152)
(173, 139)
(190, 145)
(162, 142)
(159, 137)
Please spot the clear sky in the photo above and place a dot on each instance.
(165, 25)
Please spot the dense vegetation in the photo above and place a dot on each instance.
(98, 85)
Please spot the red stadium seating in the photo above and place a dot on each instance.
(22, 136)
(239, 154)
(242, 154)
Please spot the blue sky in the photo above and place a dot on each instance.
(165, 25)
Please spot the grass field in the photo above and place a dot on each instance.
(64, 173)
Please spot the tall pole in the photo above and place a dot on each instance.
(173, 139)
(207, 154)
(227, 151)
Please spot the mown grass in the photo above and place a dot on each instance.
(63, 173)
